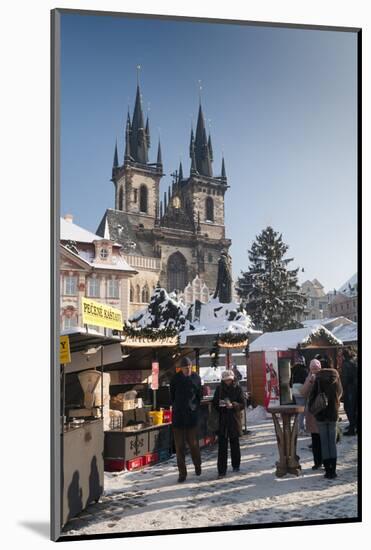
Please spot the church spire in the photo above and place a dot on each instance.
(148, 137)
(139, 142)
(210, 148)
(115, 158)
(127, 156)
(159, 154)
(180, 174)
(224, 175)
(201, 147)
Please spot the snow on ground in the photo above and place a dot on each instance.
(151, 499)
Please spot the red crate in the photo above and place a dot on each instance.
(114, 465)
(135, 463)
(150, 458)
(167, 416)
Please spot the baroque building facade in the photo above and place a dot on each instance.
(92, 267)
(173, 240)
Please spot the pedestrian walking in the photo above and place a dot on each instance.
(328, 383)
(299, 374)
(349, 379)
(311, 423)
(229, 401)
(185, 393)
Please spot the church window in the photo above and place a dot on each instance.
(70, 286)
(143, 206)
(135, 195)
(176, 272)
(121, 199)
(145, 293)
(209, 209)
(137, 293)
(113, 288)
(131, 293)
(213, 191)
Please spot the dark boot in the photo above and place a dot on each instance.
(328, 469)
(333, 468)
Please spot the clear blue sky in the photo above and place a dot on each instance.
(281, 105)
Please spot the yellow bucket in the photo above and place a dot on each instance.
(157, 417)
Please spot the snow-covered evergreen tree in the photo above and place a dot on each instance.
(269, 290)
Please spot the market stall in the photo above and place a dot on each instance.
(84, 415)
(273, 353)
(140, 395)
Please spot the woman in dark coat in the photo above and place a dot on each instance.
(229, 401)
(328, 382)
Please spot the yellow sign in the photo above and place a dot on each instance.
(101, 315)
(64, 350)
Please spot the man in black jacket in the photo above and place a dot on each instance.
(185, 392)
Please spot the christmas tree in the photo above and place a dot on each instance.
(269, 290)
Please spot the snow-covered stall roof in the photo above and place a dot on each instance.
(290, 339)
(347, 333)
(218, 318)
(212, 318)
(327, 321)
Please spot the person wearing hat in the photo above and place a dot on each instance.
(328, 382)
(185, 394)
(229, 401)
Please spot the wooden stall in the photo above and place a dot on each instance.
(272, 348)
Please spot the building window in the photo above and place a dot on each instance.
(121, 199)
(176, 272)
(209, 209)
(93, 287)
(143, 198)
(69, 322)
(210, 257)
(135, 195)
(145, 293)
(113, 288)
(104, 254)
(131, 293)
(70, 285)
(137, 293)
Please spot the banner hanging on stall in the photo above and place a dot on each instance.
(101, 315)
(155, 372)
(64, 350)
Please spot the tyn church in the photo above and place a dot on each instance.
(180, 236)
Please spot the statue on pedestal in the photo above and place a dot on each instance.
(224, 281)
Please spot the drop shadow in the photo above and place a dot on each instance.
(41, 528)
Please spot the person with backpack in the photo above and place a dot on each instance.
(324, 403)
(229, 401)
(310, 421)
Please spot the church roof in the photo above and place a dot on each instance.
(121, 228)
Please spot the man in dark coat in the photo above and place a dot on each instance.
(185, 393)
(229, 401)
(349, 378)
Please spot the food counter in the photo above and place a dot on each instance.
(135, 446)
